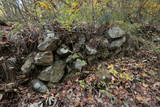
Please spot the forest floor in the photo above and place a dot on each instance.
(142, 89)
(134, 81)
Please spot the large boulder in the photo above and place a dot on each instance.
(50, 42)
(44, 58)
(115, 32)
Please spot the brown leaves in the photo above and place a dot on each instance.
(142, 89)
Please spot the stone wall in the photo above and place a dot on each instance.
(60, 54)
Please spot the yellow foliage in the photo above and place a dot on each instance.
(110, 66)
(74, 7)
(147, 6)
(112, 70)
(126, 76)
(75, 4)
(152, 7)
(44, 4)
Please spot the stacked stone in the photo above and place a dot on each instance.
(58, 57)
(55, 67)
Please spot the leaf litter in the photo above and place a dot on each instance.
(128, 82)
(132, 82)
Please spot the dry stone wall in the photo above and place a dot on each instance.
(60, 55)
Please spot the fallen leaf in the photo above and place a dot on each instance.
(110, 67)
(45, 96)
(157, 84)
(139, 98)
(145, 85)
(1, 96)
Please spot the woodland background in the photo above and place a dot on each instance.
(132, 80)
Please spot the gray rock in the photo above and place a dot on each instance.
(45, 74)
(79, 64)
(44, 58)
(90, 50)
(63, 50)
(156, 39)
(36, 104)
(72, 57)
(39, 86)
(50, 42)
(53, 73)
(11, 63)
(58, 71)
(117, 43)
(116, 32)
(29, 64)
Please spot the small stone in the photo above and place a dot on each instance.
(53, 73)
(63, 51)
(58, 71)
(116, 32)
(11, 63)
(79, 64)
(90, 50)
(44, 58)
(45, 74)
(72, 57)
(39, 86)
(50, 42)
(36, 104)
(117, 43)
(28, 65)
